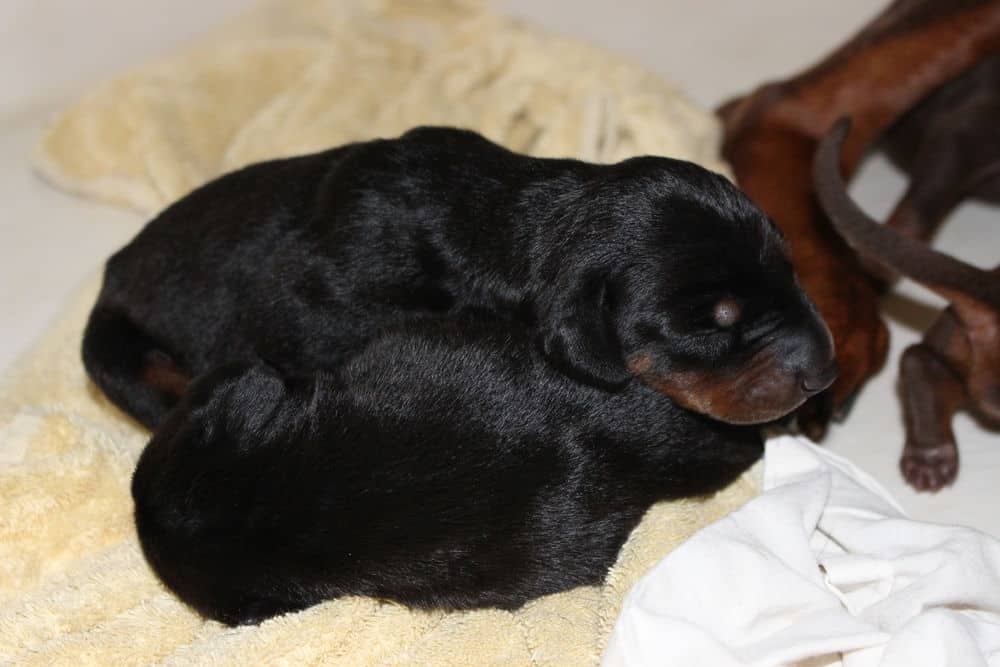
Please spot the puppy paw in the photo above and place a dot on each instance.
(813, 418)
(845, 407)
(929, 468)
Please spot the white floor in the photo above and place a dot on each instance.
(50, 49)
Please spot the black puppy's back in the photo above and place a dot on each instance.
(297, 262)
(442, 467)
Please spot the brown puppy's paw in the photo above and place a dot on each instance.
(929, 468)
(844, 409)
(814, 416)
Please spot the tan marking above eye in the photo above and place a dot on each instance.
(727, 312)
(639, 363)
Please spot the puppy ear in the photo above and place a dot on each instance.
(577, 334)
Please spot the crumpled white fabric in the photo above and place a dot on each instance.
(823, 568)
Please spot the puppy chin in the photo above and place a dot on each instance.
(734, 397)
(746, 415)
(745, 408)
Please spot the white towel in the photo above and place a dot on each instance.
(823, 568)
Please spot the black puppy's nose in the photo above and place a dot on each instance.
(806, 351)
(815, 382)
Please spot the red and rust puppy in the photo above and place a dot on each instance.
(909, 50)
(298, 262)
(958, 363)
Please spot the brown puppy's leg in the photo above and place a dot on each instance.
(931, 394)
(980, 324)
(957, 365)
(959, 361)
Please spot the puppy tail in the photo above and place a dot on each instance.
(966, 286)
(130, 367)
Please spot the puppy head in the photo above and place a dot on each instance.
(667, 273)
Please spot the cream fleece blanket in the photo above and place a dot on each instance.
(296, 76)
(291, 77)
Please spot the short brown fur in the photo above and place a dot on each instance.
(771, 136)
(957, 365)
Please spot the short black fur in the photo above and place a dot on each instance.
(297, 263)
(447, 465)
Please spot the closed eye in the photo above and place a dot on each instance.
(763, 326)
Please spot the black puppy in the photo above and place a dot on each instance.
(446, 466)
(299, 262)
